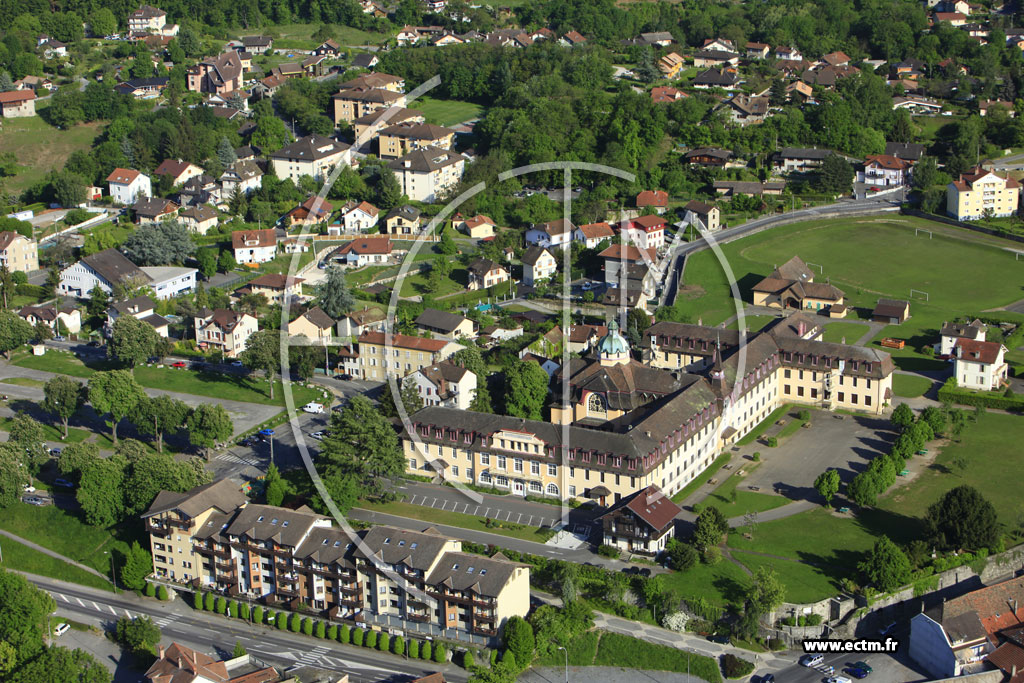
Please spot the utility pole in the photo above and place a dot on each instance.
(566, 652)
(113, 578)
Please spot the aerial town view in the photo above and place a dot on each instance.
(494, 341)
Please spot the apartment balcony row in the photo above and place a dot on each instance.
(164, 525)
(461, 599)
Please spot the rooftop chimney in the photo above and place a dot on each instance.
(160, 649)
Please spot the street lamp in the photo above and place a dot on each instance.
(566, 662)
(112, 577)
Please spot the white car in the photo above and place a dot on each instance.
(812, 660)
(316, 435)
(61, 629)
(28, 488)
(838, 679)
(313, 408)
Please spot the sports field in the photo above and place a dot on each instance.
(868, 258)
(446, 112)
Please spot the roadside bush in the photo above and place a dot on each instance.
(756, 457)
(345, 634)
(197, 600)
(771, 441)
(804, 415)
(257, 614)
(468, 662)
(332, 632)
(358, 635)
(321, 629)
(605, 550)
(383, 642)
(243, 611)
(307, 626)
(209, 602)
(150, 590)
(222, 605)
(734, 667)
(233, 609)
(440, 654)
(398, 646)
(425, 651)
(371, 640)
(414, 649)
(295, 623)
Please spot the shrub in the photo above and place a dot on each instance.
(321, 629)
(294, 623)
(804, 415)
(756, 457)
(371, 640)
(734, 667)
(222, 605)
(712, 556)
(425, 651)
(494, 658)
(414, 649)
(468, 661)
(384, 642)
(197, 600)
(398, 646)
(307, 626)
(257, 614)
(627, 610)
(332, 632)
(233, 609)
(281, 621)
(208, 602)
(771, 441)
(813, 619)
(150, 590)
(440, 654)
(345, 634)
(605, 550)
(358, 635)
(675, 621)
(243, 611)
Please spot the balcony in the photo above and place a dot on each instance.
(356, 601)
(485, 631)
(350, 589)
(285, 590)
(484, 616)
(421, 618)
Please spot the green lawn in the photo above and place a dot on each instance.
(20, 557)
(986, 276)
(721, 584)
(755, 433)
(39, 147)
(746, 501)
(52, 433)
(803, 582)
(446, 112)
(458, 519)
(23, 381)
(754, 323)
(836, 332)
(615, 649)
(301, 35)
(212, 384)
(701, 478)
(282, 263)
(910, 386)
(581, 650)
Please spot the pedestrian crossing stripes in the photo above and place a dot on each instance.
(313, 656)
(237, 459)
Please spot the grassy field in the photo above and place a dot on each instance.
(52, 433)
(984, 273)
(23, 381)
(20, 557)
(39, 147)
(803, 582)
(754, 322)
(212, 384)
(701, 478)
(910, 386)
(301, 35)
(446, 112)
(755, 433)
(835, 332)
(449, 518)
(746, 501)
(603, 648)
(719, 584)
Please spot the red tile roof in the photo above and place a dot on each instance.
(276, 281)
(597, 231)
(649, 223)
(403, 341)
(12, 96)
(263, 238)
(123, 176)
(650, 505)
(993, 604)
(887, 161)
(627, 252)
(652, 198)
(977, 352)
(367, 246)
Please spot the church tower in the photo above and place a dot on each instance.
(613, 349)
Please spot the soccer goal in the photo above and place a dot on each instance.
(918, 294)
(816, 265)
(918, 231)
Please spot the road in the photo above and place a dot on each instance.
(178, 622)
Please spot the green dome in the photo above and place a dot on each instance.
(613, 343)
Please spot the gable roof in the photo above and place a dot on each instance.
(441, 320)
(275, 281)
(403, 341)
(891, 308)
(263, 238)
(426, 159)
(221, 494)
(123, 176)
(699, 207)
(533, 254)
(181, 664)
(650, 505)
(172, 167)
(482, 266)
(199, 212)
(114, 267)
(628, 252)
(319, 318)
(365, 246)
(657, 198)
(310, 148)
(974, 351)
(601, 230)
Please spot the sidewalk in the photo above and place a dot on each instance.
(47, 551)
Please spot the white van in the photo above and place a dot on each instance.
(61, 629)
(313, 408)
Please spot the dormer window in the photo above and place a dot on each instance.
(284, 523)
(455, 566)
(401, 543)
(274, 520)
(260, 519)
(413, 546)
(470, 570)
(482, 572)
(387, 540)
(337, 543)
(325, 542)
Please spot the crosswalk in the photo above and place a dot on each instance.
(228, 456)
(312, 657)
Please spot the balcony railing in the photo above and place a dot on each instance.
(422, 618)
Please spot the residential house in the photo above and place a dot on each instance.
(642, 522)
(376, 80)
(356, 323)
(730, 188)
(582, 338)
(657, 200)
(557, 233)
(244, 177)
(147, 19)
(659, 38)
(258, 44)
(477, 227)
(538, 265)
(625, 257)
(313, 66)
(148, 210)
(277, 288)
(328, 48)
(143, 88)
(351, 103)
(428, 173)
(314, 325)
(178, 171)
(979, 193)
(757, 50)
(955, 19)
(891, 311)
(647, 232)
(362, 252)
(838, 58)
(788, 53)
(400, 139)
(201, 190)
(368, 126)
(109, 268)
(979, 364)
(484, 273)
(949, 333)
(792, 286)
(141, 308)
(726, 79)
(314, 211)
(708, 156)
(224, 330)
(254, 246)
(402, 220)
(800, 92)
(63, 320)
(34, 83)
(198, 218)
(365, 60)
(745, 109)
(917, 105)
(572, 39)
(706, 58)
(885, 170)
(721, 44)
(18, 253)
(800, 159)
(295, 245)
(355, 217)
(127, 185)
(670, 65)
(985, 106)
(396, 355)
(444, 325)
(218, 75)
(592, 234)
(180, 664)
(312, 155)
(494, 334)
(663, 94)
(445, 384)
(701, 215)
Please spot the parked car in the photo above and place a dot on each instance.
(863, 665)
(266, 432)
(856, 672)
(34, 500)
(812, 660)
(94, 343)
(838, 679)
(60, 337)
(61, 629)
(313, 407)
(28, 488)
(768, 678)
(236, 364)
(719, 638)
(61, 481)
(179, 364)
(318, 435)
(56, 451)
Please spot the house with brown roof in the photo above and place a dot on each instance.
(363, 251)
(179, 664)
(725, 78)
(670, 65)
(127, 185)
(757, 50)
(445, 384)
(63, 320)
(702, 215)
(314, 324)
(445, 325)
(355, 217)
(141, 308)
(18, 253)
(792, 286)
(17, 103)
(178, 171)
(147, 210)
(708, 156)
(428, 173)
(396, 355)
(572, 39)
(313, 211)
(220, 74)
(592, 234)
(477, 227)
(556, 233)
(746, 109)
(244, 176)
(399, 139)
(223, 329)
(974, 330)
(979, 193)
(254, 246)
(276, 287)
(647, 232)
(891, 311)
(619, 256)
(663, 94)
(641, 522)
(885, 170)
(353, 102)
(538, 265)
(484, 273)
(979, 364)
(312, 155)
(357, 322)
(728, 189)
(656, 200)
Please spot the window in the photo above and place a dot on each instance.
(518, 463)
(552, 490)
(535, 487)
(552, 470)
(535, 468)
(595, 404)
(485, 458)
(572, 491)
(501, 462)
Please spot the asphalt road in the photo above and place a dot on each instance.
(205, 632)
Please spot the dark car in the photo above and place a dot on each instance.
(719, 638)
(768, 678)
(94, 344)
(863, 665)
(855, 672)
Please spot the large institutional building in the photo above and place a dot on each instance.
(211, 537)
(630, 424)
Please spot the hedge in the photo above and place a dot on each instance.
(243, 611)
(321, 629)
(209, 602)
(440, 654)
(358, 635)
(222, 605)
(233, 609)
(425, 651)
(371, 640)
(734, 667)
(295, 624)
(197, 600)
(307, 626)
(257, 614)
(383, 642)
(414, 649)
(150, 590)
(398, 646)
(332, 632)
(954, 394)
(162, 594)
(345, 634)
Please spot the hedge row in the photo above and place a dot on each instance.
(968, 398)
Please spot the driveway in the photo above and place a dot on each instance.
(843, 442)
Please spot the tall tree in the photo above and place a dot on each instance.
(827, 484)
(526, 389)
(263, 353)
(12, 475)
(57, 663)
(101, 491)
(902, 416)
(102, 22)
(114, 392)
(6, 283)
(98, 301)
(226, 153)
(363, 443)
(138, 564)
(471, 359)
(157, 415)
(23, 617)
(74, 458)
(274, 487)
(389, 191)
(333, 294)
(63, 397)
(132, 341)
(14, 332)
(208, 425)
(836, 175)
(158, 244)
(886, 566)
(709, 528)
(767, 592)
(27, 434)
(963, 519)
